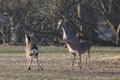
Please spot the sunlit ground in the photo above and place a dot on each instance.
(56, 61)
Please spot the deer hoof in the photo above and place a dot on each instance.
(29, 68)
(40, 69)
(80, 67)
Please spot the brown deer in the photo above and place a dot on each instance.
(73, 43)
(31, 51)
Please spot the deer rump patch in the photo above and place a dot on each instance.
(34, 52)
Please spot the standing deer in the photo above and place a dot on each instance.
(31, 51)
(73, 44)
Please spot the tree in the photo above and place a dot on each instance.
(87, 19)
(41, 17)
(110, 9)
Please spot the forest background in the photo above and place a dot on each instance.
(94, 20)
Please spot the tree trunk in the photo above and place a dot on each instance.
(89, 22)
(17, 32)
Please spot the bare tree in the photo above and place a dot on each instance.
(110, 9)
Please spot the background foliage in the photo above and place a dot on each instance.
(87, 17)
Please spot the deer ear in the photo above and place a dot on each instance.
(25, 35)
(59, 23)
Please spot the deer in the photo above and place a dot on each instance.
(31, 51)
(73, 44)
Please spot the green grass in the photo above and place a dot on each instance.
(56, 61)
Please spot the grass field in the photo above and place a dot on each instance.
(56, 61)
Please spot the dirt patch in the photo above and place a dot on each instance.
(58, 67)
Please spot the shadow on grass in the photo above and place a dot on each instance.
(12, 52)
(110, 73)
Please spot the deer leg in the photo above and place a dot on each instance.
(38, 64)
(74, 54)
(80, 61)
(88, 58)
(30, 61)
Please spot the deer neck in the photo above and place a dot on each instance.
(26, 41)
(68, 33)
(64, 34)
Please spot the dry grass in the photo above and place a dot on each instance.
(56, 61)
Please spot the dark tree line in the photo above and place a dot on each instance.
(19, 17)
